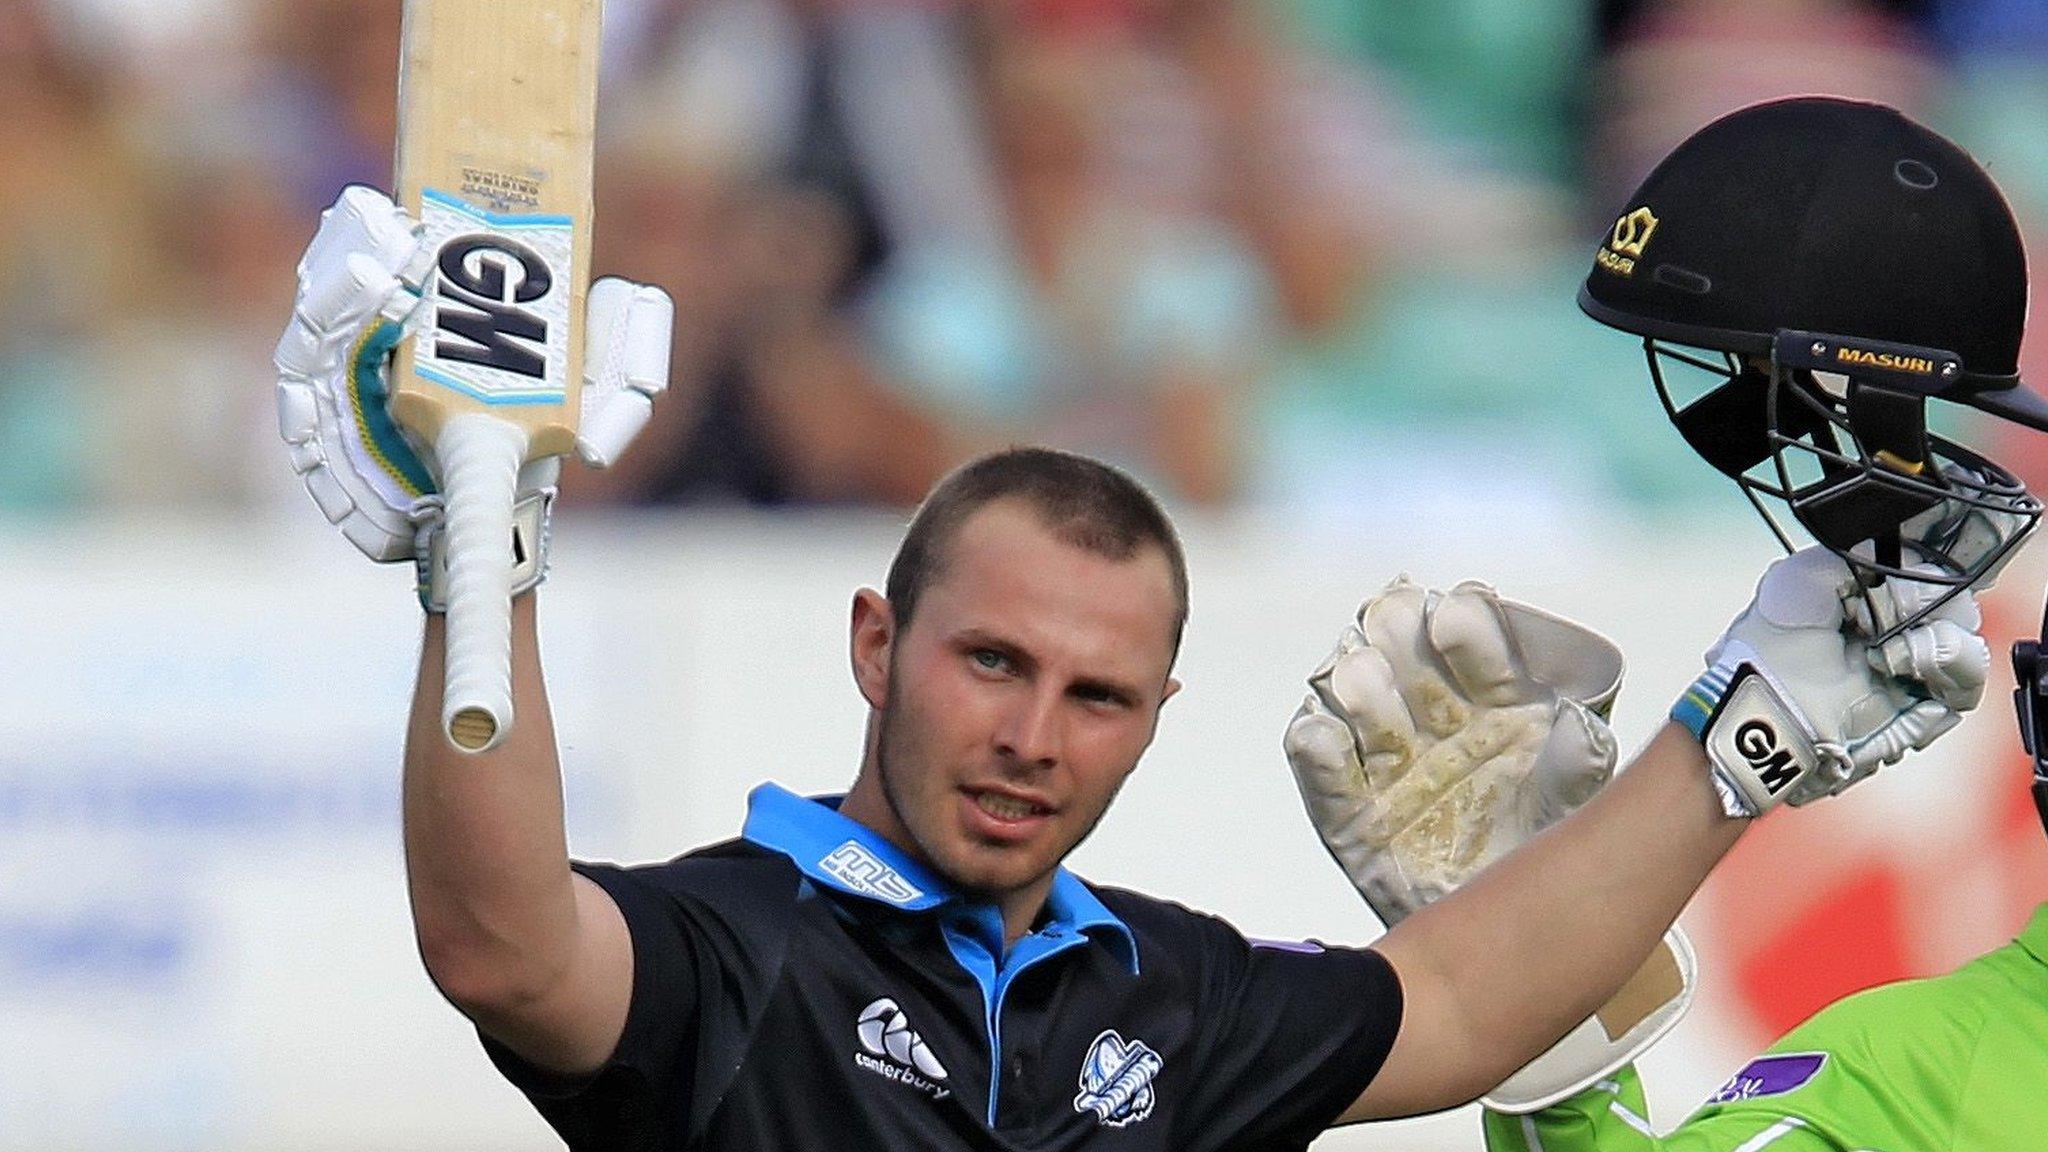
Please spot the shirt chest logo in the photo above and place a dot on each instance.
(1770, 1076)
(1116, 1080)
(890, 1049)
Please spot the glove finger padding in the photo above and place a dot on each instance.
(1912, 730)
(1359, 686)
(1466, 630)
(1966, 531)
(1952, 661)
(1323, 754)
(626, 361)
(1878, 607)
(1576, 762)
(1396, 625)
(1504, 653)
(350, 311)
(362, 220)
(1942, 651)
(1427, 748)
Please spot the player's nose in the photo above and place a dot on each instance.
(1030, 731)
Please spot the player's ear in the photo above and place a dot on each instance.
(873, 641)
(1172, 686)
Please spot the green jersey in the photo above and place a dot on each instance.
(1957, 1063)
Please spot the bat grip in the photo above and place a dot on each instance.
(480, 457)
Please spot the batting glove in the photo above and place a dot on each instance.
(358, 296)
(1966, 531)
(1798, 703)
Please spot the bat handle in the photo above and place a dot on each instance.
(480, 457)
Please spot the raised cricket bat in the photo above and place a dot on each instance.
(497, 105)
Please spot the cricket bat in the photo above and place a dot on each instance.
(497, 105)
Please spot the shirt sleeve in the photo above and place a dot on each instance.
(1291, 1034)
(638, 1099)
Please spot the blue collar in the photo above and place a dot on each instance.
(847, 856)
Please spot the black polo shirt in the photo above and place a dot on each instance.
(810, 986)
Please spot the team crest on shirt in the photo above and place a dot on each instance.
(1116, 1080)
(1770, 1076)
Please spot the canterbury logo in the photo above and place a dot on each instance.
(894, 1051)
(1774, 766)
(1626, 243)
(1116, 1080)
(1917, 365)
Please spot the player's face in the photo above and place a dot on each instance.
(1016, 702)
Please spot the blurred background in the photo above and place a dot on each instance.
(1305, 266)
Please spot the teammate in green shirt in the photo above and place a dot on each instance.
(1953, 1062)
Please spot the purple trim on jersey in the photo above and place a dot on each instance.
(1308, 947)
(1770, 1076)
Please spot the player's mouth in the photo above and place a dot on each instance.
(1005, 814)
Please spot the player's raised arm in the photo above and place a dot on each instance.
(1447, 727)
(536, 956)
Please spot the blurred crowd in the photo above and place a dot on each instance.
(1312, 256)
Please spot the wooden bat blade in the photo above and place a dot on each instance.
(497, 118)
(497, 115)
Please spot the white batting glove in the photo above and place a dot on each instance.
(1447, 729)
(359, 292)
(1796, 703)
(350, 312)
(1966, 531)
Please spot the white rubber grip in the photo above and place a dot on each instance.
(480, 457)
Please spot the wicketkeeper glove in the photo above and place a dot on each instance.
(1798, 703)
(1446, 729)
(358, 296)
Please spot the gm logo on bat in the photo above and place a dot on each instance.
(488, 284)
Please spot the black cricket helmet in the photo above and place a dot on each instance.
(1828, 266)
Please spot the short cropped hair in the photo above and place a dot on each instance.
(1083, 502)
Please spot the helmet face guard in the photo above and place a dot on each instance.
(1853, 464)
(1745, 257)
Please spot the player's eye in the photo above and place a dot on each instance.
(1100, 697)
(989, 659)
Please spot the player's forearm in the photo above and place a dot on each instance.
(486, 855)
(1536, 943)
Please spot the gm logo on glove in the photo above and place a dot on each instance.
(1758, 743)
(1756, 738)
